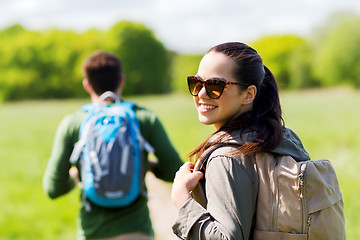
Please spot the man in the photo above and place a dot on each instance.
(103, 73)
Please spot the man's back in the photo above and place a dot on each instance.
(106, 222)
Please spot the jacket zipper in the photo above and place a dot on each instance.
(302, 195)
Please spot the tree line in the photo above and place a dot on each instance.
(48, 64)
(328, 58)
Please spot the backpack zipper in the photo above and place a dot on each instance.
(302, 195)
(274, 204)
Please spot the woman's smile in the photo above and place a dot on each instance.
(204, 107)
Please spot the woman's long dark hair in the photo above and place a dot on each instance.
(265, 117)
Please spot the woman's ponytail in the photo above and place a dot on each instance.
(268, 114)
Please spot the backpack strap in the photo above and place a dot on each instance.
(109, 94)
(129, 105)
(198, 193)
(201, 163)
(90, 109)
(142, 141)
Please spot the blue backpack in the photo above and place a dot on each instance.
(110, 150)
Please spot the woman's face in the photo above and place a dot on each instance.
(233, 101)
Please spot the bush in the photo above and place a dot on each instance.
(48, 64)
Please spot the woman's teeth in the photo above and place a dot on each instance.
(208, 106)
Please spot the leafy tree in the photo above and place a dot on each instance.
(277, 53)
(12, 30)
(145, 60)
(337, 52)
(38, 65)
(183, 66)
(48, 64)
(15, 55)
(300, 74)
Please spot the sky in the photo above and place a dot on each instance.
(187, 26)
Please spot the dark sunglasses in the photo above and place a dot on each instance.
(214, 87)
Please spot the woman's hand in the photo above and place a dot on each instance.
(185, 181)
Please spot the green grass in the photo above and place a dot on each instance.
(326, 120)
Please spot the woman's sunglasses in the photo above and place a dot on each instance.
(214, 87)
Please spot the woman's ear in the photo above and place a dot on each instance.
(250, 94)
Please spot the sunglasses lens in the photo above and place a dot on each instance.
(195, 85)
(214, 88)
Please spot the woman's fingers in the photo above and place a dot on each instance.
(185, 181)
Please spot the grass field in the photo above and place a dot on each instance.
(326, 120)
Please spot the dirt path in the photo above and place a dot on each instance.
(162, 211)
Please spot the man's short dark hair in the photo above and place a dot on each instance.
(103, 71)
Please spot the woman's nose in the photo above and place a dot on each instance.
(203, 93)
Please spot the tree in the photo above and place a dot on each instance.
(337, 53)
(48, 64)
(145, 60)
(15, 54)
(277, 53)
(183, 66)
(300, 74)
(38, 65)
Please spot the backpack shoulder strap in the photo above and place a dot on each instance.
(202, 161)
(90, 109)
(198, 193)
(144, 144)
(129, 105)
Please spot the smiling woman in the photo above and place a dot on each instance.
(231, 101)
(238, 95)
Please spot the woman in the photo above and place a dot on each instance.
(236, 93)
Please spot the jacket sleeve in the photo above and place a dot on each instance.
(56, 179)
(231, 204)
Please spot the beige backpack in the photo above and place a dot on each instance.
(298, 200)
